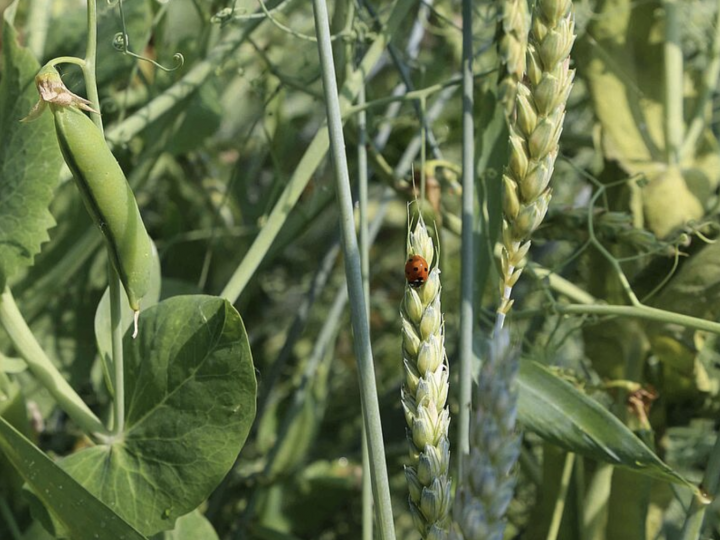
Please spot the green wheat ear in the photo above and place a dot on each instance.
(485, 491)
(424, 395)
(534, 134)
(512, 49)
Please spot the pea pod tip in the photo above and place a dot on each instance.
(136, 317)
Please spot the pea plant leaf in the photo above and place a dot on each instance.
(564, 416)
(29, 158)
(75, 513)
(190, 395)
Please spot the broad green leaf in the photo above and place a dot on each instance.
(80, 515)
(621, 58)
(624, 70)
(192, 526)
(564, 416)
(189, 403)
(102, 316)
(29, 158)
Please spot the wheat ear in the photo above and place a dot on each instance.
(512, 49)
(534, 134)
(487, 487)
(424, 395)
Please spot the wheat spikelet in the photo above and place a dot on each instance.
(424, 395)
(534, 134)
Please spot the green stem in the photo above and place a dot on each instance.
(562, 497)
(641, 312)
(9, 519)
(37, 26)
(367, 497)
(90, 61)
(116, 329)
(359, 311)
(562, 285)
(43, 369)
(674, 123)
(467, 272)
(113, 278)
(700, 501)
(709, 83)
(67, 60)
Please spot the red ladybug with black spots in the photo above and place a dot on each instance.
(416, 271)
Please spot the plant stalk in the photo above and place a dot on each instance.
(467, 275)
(37, 26)
(709, 83)
(562, 497)
(353, 271)
(367, 497)
(641, 312)
(692, 527)
(9, 519)
(674, 123)
(116, 329)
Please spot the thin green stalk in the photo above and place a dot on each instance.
(9, 519)
(562, 285)
(90, 62)
(358, 313)
(310, 161)
(116, 329)
(562, 497)
(367, 499)
(467, 274)
(43, 369)
(674, 123)
(709, 84)
(641, 312)
(37, 26)
(709, 489)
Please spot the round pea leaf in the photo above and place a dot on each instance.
(190, 393)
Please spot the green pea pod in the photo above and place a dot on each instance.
(103, 186)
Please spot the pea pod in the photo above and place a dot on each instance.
(102, 184)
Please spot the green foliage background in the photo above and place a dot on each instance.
(208, 172)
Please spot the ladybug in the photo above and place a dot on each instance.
(416, 271)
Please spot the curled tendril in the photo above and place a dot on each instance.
(120, 43)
